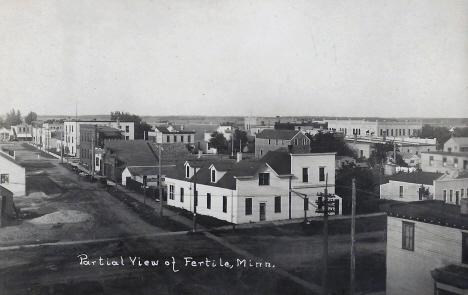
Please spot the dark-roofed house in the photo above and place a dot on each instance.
(427, 248)
(151, 172)
(202, 135)
(270, 140)
(163, 134)
(252, 190)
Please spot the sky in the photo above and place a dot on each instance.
(396, 58)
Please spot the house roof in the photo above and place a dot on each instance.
(165, 130)
(132, 152)
(407, 156)
(295, 149)
(8, 158)
(5, 192)
(446, 153)
(419, 177)
(149, 170)
(462, 141)
(432, 211)
(278, 161)
(452, 275)
(277, 134)
(201, 129)
(171, 153)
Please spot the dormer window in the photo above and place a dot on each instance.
(213, 175)
(187, 171)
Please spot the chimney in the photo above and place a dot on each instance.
(239, 157)
(290, 148)
(464, 206)
(355, 138)
(200, 153)
(384, 135)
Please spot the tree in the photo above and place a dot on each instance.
(32, 116)
(442, 134)
(380, 151)
(218, 141)
(328, 143)
(239, 137)
(365, 201)
(13, 118)
(140, 126)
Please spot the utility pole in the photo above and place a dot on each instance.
(61, 147)
(325, 240)
(352, 286)
(325, 206)
(195, 199)
(115, 169)
(145, 179)
(160, 183)
(232, 145)
(92, 154)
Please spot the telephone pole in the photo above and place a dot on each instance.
(160, 183)
(195, 199)
(352, 286)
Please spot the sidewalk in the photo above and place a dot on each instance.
(174, 216)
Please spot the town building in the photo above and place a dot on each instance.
(22, 132)
(12, 175)
(276, 187)
(271, 140)
(376, 128)
(202, 135)
(4, 134)
(456, 145)
(427, 248)
(445, 162)
(162, 134)
(92, 141)
(71, 128)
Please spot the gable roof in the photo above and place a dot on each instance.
(277, 134)
(132, 152)
(462, 141)
(149, 170)
(201, 129)
(279, 161)
(419, 177)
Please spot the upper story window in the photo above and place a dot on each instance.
(445, 195)
(296, 141)
(187, 171)
(168, 138)
(431, 161)
(213, 175)
(465, 248)
(175, 138)
(408, 236)
(322, 174)
(5, 178)
(264, 179)
(269, 141)
(127, 129)
(455, 162)
(444, 161)
(400, 194)
(188, 138)
(181, 138)
(305, 174)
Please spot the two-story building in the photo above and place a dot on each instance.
(271, 140)
(162, 134)
(22, 132)
(92, 141)
(445, 162)
(71, 128)
(12, 175)
(275, 187)
(427, 248)
(456, 145)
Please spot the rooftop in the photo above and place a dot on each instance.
(446, 153)
(132, 152)
(150, 170)
(463, 141)
(277, 134)
(432, 211)
(419, 177)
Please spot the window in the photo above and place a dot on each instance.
(187, 171)
(213, 175)
(282, 142)
(322, 174)
(445, 195)
(127, 129)
(462, 191)
(264, 179)
(208, 201)
(465, 248)
(224, 204)
(269, 141)
(305, 174)
(188, 138)
(5, 178)
(196, 198)
(404, 132)
(455, 162)
(408, 236)
(261, 152)
(451, 195)
(431, 161)
(277, 142)
(168, 138)
(401, 192)
(97, 162)
(277, 204)
(444, 161)
(248, 206)
(175, 138)
(181, 138)
(449, 150)
(181, 194)
(127, 137)
(171, 192)
(296, 141)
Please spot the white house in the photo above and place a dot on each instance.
(12, 175)
(427, 248)
(4, 134)
(456, 145)
(151, 172)
(22, 132)
(242, 191)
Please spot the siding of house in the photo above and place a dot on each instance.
(391, 190)
(16, 175)
(456, 185)
(408, 272)
(437, 164)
